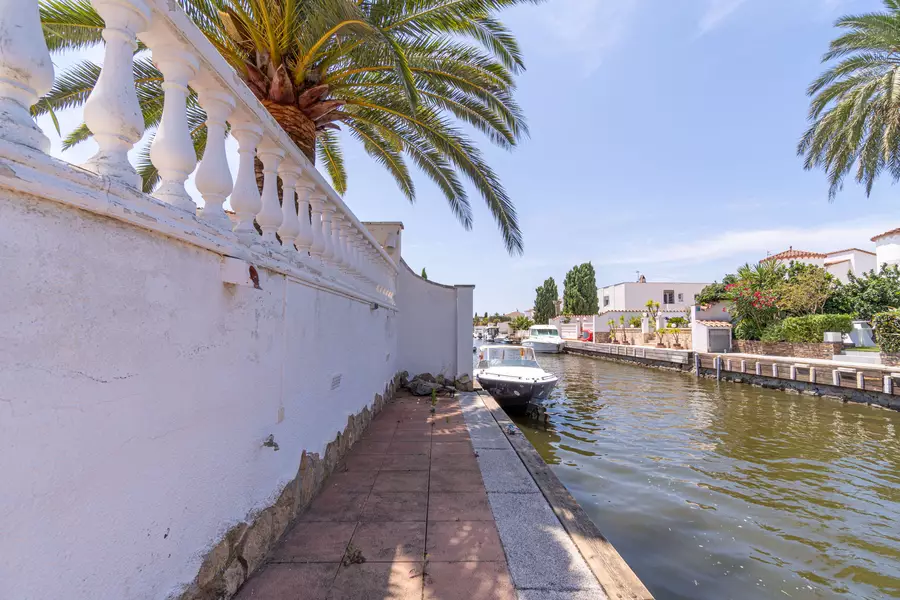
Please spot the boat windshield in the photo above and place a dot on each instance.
(543, 333)
(506, 357)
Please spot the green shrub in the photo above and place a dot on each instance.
(812, 328)
(746, 330)
(773, 333)
(887, 330)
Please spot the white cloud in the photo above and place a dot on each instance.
(589, 28)
(753, 245)
(717, 11)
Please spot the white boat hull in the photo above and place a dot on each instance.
(544, 347)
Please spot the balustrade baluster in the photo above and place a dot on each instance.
(317, 201)
(245, 200)
(26, 72)
(269, 217)
(112, 112)
(328, 251)
(337, 249)
(172, 151)
(304, 237)
(213, 179)
(290, 225)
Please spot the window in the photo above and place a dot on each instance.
(681, 297)
(668, 297)
(605, 300)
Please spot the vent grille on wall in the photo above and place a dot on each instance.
(336, 381)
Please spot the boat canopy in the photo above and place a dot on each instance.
(506, 356)
(543, 331)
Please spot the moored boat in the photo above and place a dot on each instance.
(512, 375)
(544, 338)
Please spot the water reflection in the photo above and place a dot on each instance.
(716, 491)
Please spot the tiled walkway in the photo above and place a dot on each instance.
(411, 502)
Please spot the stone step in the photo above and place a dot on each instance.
(869, 358)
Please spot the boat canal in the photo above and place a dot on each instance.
(713, 491)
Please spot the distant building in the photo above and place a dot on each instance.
(530, 313)
(633, 296)
(887, 247)
(839, 263)
(514, 314)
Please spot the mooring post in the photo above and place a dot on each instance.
(696, 363)
(728, 364)
(812, 374)
(718, 367)
(860, 381)
(743, 366)
(793, 372)
(836, 377)
(888, 385)
(758, 368)
(774, 369)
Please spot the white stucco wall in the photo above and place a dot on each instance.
(887, 250)
(136, 390)
(634, 295)
(429, 340)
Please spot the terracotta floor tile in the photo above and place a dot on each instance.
(442, 448)
(401, 447)
(351, 481)
(395, 506)
(314, 542)
(290, 582)
(468, 581)
(457, 541)
(406, 462)
(376, 581)
(391, 541)
(336, 505)
(371, 447)
(401, 481)
(455, 462)
(459, 506)
(418, 424)
(448, 480)
(362, 462)
(412, 435)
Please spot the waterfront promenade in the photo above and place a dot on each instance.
(429, 505)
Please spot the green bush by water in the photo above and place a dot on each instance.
(812, 328)
(887, 330)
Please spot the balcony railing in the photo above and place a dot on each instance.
(332, 249)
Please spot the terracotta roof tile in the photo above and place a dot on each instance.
(885, 234)
(715, 323)
(850, 250)
(791, 254)
(828, 263)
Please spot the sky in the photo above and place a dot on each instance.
(663, 142)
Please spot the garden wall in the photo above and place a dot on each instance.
(823, 350)
(636, 337)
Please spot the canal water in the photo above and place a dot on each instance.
(713, 491)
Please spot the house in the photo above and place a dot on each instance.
(514, 314)
(887, 247)
(839, 263)
(633, 296)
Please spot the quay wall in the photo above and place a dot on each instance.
(678, 360)
(824, 350)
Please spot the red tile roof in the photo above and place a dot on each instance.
(885, 234)
(850, 250)
(791, 254)
(714, 323)
(836, 262)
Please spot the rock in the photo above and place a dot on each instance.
(464, 383)
(424, 377)
(257, 540)
(404, 378)
(448, 389)
(440, 379)
(419, 387)
(214, 564)
(234, 576)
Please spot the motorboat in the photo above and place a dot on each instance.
(512, 375)
(491, 333)
(544, 338)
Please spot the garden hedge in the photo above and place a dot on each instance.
(887, 330)
(812, 328)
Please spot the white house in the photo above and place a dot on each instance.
(633, 296)
(839, 263)
(887, 247)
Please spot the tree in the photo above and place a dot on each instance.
(807, 289)
(521, 323)
(545, 301)
(580, 291)
(864, 297)
(715, 291)
(855, 104)
(754, 299)
(395, 75)
(424, 274)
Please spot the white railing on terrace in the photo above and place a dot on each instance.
(335, 247)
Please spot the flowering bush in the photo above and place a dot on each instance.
(758, 306)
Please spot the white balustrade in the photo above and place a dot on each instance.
(311, 220)
(290, 225)
(304, 239)
(245, 200)
(317, 201)
(26, 72)
(269, 217)
(213, 179)
(112, 112)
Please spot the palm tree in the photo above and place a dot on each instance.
(396, 74)
(855, 106)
